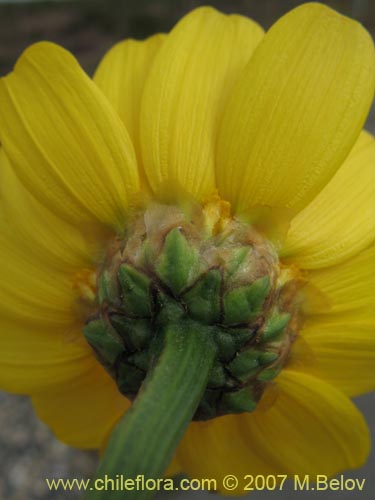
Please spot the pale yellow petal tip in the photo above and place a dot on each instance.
(208, 10)
(203, 9)
(157, 37)
(316, 9)
(43, 49)
(313, 9)
(30, 52)
(42, 54)
(257, 29)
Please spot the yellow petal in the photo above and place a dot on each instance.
(346, 288)
(296, 111)
(65, 141)
(344, 354)
(36, 230)
(173, 469)
(33, 358)
(340, 221)
(92, 407)
(193, 73)
(31, 292)
(121, 76)
(218, 447)
(310, 429)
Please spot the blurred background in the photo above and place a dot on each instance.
(28, 451)
(89, 27)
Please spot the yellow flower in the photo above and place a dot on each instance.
(272, 123)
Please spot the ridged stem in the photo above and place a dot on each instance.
(145, 439)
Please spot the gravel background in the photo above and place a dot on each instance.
(28, 450)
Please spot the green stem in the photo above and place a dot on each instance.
(145, 439)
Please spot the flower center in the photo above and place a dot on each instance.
(195, 264)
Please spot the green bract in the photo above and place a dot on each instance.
(223, 283)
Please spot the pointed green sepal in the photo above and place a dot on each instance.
(226, 346)
(267, 357)
(268, 374)
(169, 310)
(203, 300)
(107, 292)
(104, 339)
(129, 379)
(241, 336)
(243, 303)
(239, 401)
(141, 360)
(136, 295)
(245, 364)
(275, 325)
(238, 258)
(177, 262)
(217, 377)
(136, 333)
(231, 340)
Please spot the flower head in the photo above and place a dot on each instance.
(240, 156)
